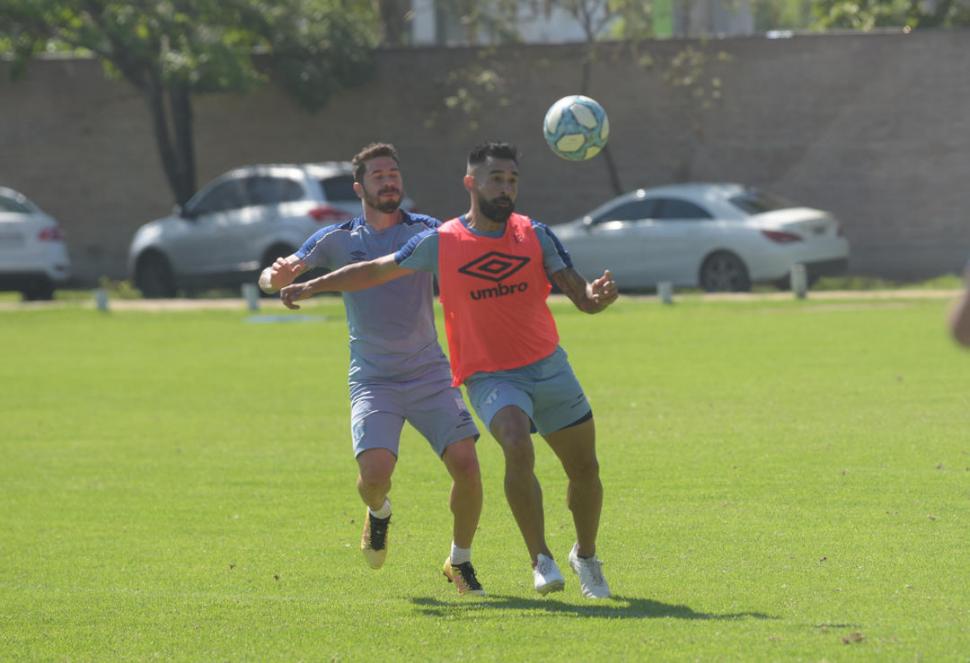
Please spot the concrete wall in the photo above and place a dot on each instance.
(875, 128)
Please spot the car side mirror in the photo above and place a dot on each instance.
(183, 212)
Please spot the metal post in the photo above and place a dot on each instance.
(665, 290)
(101, 300)
(799, 281)
(251, 294)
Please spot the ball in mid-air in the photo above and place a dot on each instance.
(576, 127)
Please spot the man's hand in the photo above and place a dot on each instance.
(295, 292)
(281, 273)
(603, 290)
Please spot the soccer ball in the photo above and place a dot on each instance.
(576, 128)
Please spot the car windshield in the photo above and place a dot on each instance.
(11, 205)
(339, 189)
(755, 201)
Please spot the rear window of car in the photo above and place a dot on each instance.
(633, 210)
(11, 205)
(675, 208)
(268, 190)
(339, 188)
(754, 201)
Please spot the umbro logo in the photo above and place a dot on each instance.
(494, 266)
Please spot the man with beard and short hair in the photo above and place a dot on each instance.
(398, 372)
(494, 270)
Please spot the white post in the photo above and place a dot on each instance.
(799, 281)
(101, 299)
(251, 294)
(665, 290)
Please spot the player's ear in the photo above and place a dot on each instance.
(469, 182)
(359, 190)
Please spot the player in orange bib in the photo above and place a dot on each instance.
(494, 269)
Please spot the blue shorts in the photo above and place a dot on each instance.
(547, 391)
(378, 411)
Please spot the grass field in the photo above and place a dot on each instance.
(784, 480)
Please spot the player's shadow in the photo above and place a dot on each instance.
(617, 607)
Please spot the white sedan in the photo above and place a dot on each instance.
(719, 237)
(33, 255)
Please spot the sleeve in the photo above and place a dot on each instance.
(315, 251)
(555, 257)
(420, 253)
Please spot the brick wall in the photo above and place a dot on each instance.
(875, 128)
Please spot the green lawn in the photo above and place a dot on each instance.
(784, 480)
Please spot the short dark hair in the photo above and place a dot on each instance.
(494, 149)
(372, 151)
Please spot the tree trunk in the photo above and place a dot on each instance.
(182, 122)
(172, 153)
(393, 19)
(586, 72)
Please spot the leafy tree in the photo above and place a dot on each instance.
(869, 14)
(170, 50)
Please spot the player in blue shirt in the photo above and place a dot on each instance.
(398, 371)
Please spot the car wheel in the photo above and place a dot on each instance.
(38, 290)
(153, 276)
(724, 272)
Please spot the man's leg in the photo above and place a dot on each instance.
(576, 448)
(511, 427)
(466, 505)
(373, 484)
(374, 480)
(466, 490)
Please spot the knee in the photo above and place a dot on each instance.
(464, 468)
(583, 469)
(374, 477)
(519, 454)
(375, 469)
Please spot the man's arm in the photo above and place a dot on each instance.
(960, 316)
(355, 276)
(281, 273)
(588, 297)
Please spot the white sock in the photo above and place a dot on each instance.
(383, 512)
(460, 555)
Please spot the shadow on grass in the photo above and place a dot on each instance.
(618, 607)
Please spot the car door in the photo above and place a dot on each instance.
(616, 239)
(680, 234)
(203, 247)
(272, 195)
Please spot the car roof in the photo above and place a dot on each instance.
(317, 169)
(11, 193)
(694, 189)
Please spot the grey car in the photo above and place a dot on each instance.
(238, 224)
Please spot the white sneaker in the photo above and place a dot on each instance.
(547, 575)
(590, 573)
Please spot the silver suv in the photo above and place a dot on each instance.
(238, 224)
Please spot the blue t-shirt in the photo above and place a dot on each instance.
(421, 252)
(392, 331)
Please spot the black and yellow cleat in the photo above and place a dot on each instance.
(373, 540)
(463, 575)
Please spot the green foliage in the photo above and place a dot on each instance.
(170, 50)
(783, 481)
(870, 14)
(206, 45)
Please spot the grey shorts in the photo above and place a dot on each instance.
(546, 390)
(378, 411)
